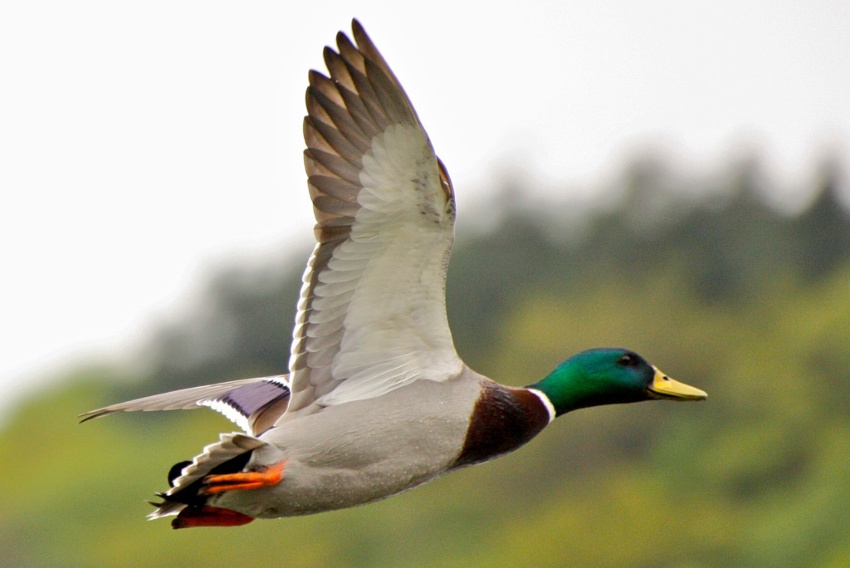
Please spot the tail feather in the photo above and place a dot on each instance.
(228, 447)
(229, 455)
(166, 508)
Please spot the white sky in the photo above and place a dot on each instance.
(142, 144)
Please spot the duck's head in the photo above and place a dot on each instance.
(610, 376)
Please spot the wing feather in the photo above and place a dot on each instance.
(325, 163)
(335, 141)
(372, 309)
(331, 110)
(253, 404)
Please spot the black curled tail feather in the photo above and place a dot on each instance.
(176, 471)
(191, 494)
(229, 455)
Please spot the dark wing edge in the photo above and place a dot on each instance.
(358, 100)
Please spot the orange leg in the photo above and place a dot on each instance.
(268, 476)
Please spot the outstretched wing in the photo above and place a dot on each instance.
(371, 316)
(253, 404)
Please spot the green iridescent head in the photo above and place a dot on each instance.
(610, 376)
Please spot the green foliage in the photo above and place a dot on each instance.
(725, 294)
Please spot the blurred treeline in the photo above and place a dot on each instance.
(703, 276)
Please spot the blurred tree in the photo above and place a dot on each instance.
(823, 232)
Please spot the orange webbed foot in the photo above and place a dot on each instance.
(268, 476)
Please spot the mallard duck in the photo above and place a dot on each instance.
(377, 400)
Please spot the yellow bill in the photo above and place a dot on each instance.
(663, 387)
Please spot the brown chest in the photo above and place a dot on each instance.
(502, 420)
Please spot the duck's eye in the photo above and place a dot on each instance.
(628, 360)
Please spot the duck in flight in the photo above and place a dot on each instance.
(377, 400)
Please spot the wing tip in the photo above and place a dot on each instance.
(92, 414)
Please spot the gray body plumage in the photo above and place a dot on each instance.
(346, 454)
